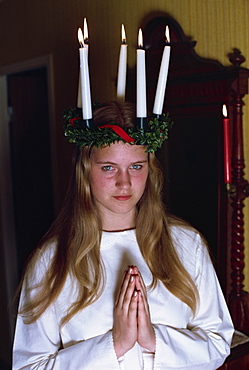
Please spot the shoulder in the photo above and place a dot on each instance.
(190, 246)
(185, 235)
(40, 262)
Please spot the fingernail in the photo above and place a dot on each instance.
(131, 278)
(135, 293)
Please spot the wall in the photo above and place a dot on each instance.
(34, 28)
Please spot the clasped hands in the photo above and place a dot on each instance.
(131, 315)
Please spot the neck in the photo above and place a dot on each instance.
(120, 222)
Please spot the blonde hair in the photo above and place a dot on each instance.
(78, 244)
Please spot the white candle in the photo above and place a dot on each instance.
(122, 67)
(79, 98)
(85, 81)
(162, 79)
(141, 78)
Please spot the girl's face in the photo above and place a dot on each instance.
(117, 178)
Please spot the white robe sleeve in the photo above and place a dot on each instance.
(37, 346)
(205, 343)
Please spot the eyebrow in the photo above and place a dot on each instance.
(110, 162)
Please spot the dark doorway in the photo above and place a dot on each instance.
(31, 158)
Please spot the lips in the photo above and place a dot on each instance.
(122, 198)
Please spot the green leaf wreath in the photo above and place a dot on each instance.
(153, 137)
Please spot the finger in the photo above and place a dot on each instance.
(143, 304)
(140, 285)
(126, 292)
(123, 286)
(142, 282)
(143, 308)
(129, 294)
(133, 307)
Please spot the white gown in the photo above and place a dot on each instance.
(85, 342)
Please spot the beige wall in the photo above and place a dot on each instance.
(34, 28)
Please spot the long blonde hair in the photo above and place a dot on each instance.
(77, 235)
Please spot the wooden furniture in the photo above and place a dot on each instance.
(193, 156)
(238, 359)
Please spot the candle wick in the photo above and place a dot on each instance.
(86, 41)
(81, 44)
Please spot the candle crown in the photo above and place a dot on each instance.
(150, 132)
(153, 137)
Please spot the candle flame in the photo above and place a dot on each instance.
(80, 37)
(85, 30)
(123, 35)
(224, 110)
(167, 34)
(140, 38)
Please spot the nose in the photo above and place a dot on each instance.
(123, 180)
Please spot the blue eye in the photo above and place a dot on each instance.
(136, 166)
(107, 168)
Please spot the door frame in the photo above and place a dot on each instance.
(7, 226)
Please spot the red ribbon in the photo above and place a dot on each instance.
(120, 132)
(72, 120)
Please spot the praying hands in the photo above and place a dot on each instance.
(131, 315)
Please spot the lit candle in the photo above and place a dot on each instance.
(86, 35)
(227, 147)
(79, 99)
(85, 81)
(162, 79)
(122, 67)
(141, 78)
